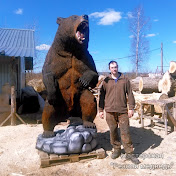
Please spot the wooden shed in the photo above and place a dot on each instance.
(17, 50)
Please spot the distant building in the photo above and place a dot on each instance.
(17, 51)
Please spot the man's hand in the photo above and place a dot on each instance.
(101, 115)
(130, 113)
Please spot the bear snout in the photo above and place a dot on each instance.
(85, 17)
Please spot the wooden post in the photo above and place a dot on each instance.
(174, 114)
(13, 115)
(142, 113)
(171, 117)
(13, 106)
(165, 118)
(152, 114)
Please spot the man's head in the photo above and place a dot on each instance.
(113, 67)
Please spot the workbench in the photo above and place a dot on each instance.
(165, 105)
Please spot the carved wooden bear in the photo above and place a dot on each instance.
(68, 71)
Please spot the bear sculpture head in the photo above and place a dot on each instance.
(73, 31)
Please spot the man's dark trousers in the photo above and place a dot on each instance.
(113, 120)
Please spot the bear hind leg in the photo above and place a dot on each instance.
(89, 108)
(49, 120)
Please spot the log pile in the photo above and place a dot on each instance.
(154, 87)
(172, 69)
(167, 84)
(37, 84)
(135, 84)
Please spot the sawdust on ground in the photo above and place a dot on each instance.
(156, 151)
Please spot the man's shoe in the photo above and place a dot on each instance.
(132, 158)
(116, 154)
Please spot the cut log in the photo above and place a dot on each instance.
(148, 84)
(172, 69)
(158, 109)
(167, 85)
(135, 84)
(164, 84)
(37, 84)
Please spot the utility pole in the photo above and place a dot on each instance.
(161, 58)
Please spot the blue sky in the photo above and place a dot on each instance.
(109, 34)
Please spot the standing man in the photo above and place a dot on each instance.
(113, 98)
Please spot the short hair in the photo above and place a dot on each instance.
(111, 62)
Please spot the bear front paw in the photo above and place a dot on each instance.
(89, 78)
(84, 81)
(88, 124)
(48, 134)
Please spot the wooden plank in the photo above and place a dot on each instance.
(74, 158)
(20, 118)
(43, 155)
(44, 158)
(13, 106)
(100, 153)
(160, 102)
(161, 125)
(63, 156)
(5, 120)
(44, 162)
(53, 159)
(171, 117)
(153, 118)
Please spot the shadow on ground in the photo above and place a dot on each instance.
(30, 118)
(142, 139)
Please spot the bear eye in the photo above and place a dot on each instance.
(74, 17)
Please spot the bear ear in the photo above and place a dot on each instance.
(59, 19)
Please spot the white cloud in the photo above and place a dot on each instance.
(174, 41)
(155, 20)
(130, 15)
(43, 47)
(107, 17)
(19, 11)
(151, 35)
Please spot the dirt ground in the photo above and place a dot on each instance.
(156, 152)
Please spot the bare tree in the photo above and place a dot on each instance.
(138, 26)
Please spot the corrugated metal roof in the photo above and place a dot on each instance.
(17, 42)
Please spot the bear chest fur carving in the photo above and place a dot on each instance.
(68, 71)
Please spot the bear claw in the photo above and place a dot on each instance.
(88, 124)
(48, 134)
